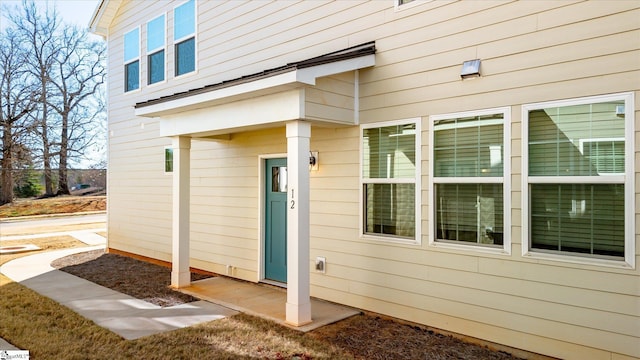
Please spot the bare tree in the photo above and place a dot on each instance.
(38, 32)
(76, 77)
(17, 101)
(69, 74)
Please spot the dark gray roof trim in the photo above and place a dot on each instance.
(344, 54)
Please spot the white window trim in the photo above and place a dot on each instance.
(186, 37)
(505, 180)
(398, 7)
(628, 179)
(417, 189)
(127, 62)
(155, 50)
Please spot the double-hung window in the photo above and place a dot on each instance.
(390, 164)
(579, 178)
(471, 180)
(155, 50)
(184, 37)
(132, 60)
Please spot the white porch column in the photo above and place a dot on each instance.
(298, 302)
(180, 275)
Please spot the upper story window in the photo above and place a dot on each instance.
(579, 176)
(132, 60)
(405, 4)
(389, 180)
(470, 188)
(184, 32)
(156, 49)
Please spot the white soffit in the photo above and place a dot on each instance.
(272, 84)
(103, 16)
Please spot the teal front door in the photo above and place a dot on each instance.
(275, 236)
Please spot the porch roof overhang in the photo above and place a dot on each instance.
(260, 99)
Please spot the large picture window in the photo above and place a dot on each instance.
(132, 60)
(469, 183)
(184, 31)
(155, 50)
(389, 171)
(579, 177)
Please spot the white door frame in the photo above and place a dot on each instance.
(262, 161)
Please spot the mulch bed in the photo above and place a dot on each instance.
(140, 279)
(365, 336)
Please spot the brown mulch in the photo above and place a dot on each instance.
(140, 279)
(365, 336)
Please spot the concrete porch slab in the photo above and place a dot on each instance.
(264, 301)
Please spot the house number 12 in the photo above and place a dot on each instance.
(293, 202)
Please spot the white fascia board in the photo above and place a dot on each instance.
(310, 74)
(191, 102)
(224, 118)
(305, 76)
(103, 16)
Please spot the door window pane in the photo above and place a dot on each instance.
(279, 179)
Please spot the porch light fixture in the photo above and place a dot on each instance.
(313, 160)
(470, 69)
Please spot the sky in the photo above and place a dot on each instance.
(77, 12)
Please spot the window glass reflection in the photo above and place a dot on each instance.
(279, 179)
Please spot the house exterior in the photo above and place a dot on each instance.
(468, 165)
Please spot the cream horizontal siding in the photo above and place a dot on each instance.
(531, 51)
(331, 99)
(224, 206)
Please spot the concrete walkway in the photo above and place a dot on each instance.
(132, 318)
(264, 301)
(128, 317)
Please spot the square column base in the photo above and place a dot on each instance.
(180, 279)
(298, 314)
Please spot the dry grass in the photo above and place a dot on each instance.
(52, 331)
(55, 205)
(49, 330)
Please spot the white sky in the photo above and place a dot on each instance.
(77, 12)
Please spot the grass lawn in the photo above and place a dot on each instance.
(52, 331)
(54, 205)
